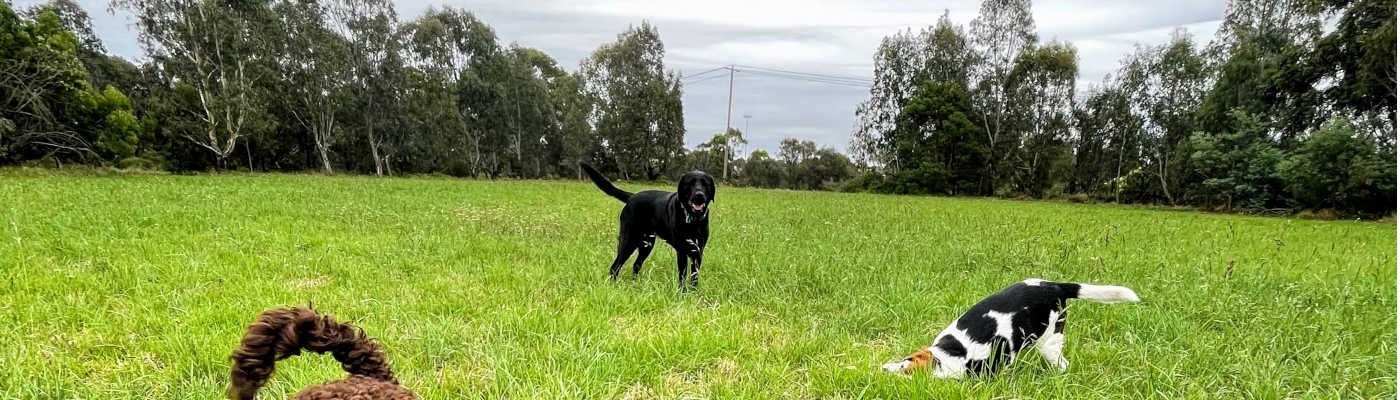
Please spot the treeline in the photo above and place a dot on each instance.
(344, 86)
(1275, 114)
(799, 165)
(1291, 106)
(331, 85)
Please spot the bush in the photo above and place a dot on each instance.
(138, 163)
(867, 182)
(1336, 169)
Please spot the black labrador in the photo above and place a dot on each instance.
(682, 219)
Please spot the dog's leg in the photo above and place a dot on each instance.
(1052, 344)
(681, 259)
(643, 251)
(695, 270)
(697, 251)
(625, 245)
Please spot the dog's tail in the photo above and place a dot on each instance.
(1084, 291)
(1099, 293)
(284, 332)
(603, 184)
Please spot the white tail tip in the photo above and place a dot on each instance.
(1107, 294)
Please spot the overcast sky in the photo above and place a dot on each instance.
(814, 36)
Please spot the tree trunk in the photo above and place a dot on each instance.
(322, 151)
(373, 143)
(374, 153)
(1162, 176)
(1118, 174)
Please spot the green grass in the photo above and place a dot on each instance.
(140, 287)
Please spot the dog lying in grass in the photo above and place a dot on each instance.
(285, 332)
(988, 337)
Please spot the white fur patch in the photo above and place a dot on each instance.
(1051, 344)
(1033, 282)
(953, 367)
(1003, 323)
(1107, 294)
(896, 367)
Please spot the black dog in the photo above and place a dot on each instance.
(682, 219)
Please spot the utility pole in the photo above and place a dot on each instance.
(728, 118)
(746, 124)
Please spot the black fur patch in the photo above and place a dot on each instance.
(1030, 307)
(951, 347)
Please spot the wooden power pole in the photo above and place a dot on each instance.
(728, 118)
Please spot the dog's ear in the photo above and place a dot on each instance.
(922, 359)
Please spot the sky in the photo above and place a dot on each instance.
(835, 37)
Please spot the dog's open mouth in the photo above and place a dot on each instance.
(697, 206)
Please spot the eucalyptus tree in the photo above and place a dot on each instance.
(219, 50)
(1002, 30)
(637, 103)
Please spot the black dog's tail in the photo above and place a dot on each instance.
(606, 186)
(284, 332)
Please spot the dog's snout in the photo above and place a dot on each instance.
(698, 198)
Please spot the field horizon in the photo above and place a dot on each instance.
(139, 286)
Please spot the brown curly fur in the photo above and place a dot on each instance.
(284, 332)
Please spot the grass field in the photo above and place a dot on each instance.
(140, 286)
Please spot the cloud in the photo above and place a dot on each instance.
(817, 36)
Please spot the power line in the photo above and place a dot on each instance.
(805, 79)
(854, 79)
(703, 79)
(692, 75)
(828, 81)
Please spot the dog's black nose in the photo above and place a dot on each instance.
(698, 198)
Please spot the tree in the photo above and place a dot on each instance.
(761, 170)
(316, 64)
(1002, 30)
(373, 44)
(43, 89)
(824, 170)
(1166, 84)
(940, 147)
(120, 131)
(1233, 170)
(1335, 168)
(1042, 86)
(1110, 142)
(903, 61)
(709, 155)
(718, 152)
(577, 141)
(216, 47)
(452, 48)
(535, 124)
(896, 70)
(637, 102)
(1360, 54)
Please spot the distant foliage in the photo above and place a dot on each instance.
(1337, 169)
(1236, 124)
(1290, 106)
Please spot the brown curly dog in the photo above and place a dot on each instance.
(284, 332)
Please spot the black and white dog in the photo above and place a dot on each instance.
(989, 336)
(681, 218)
